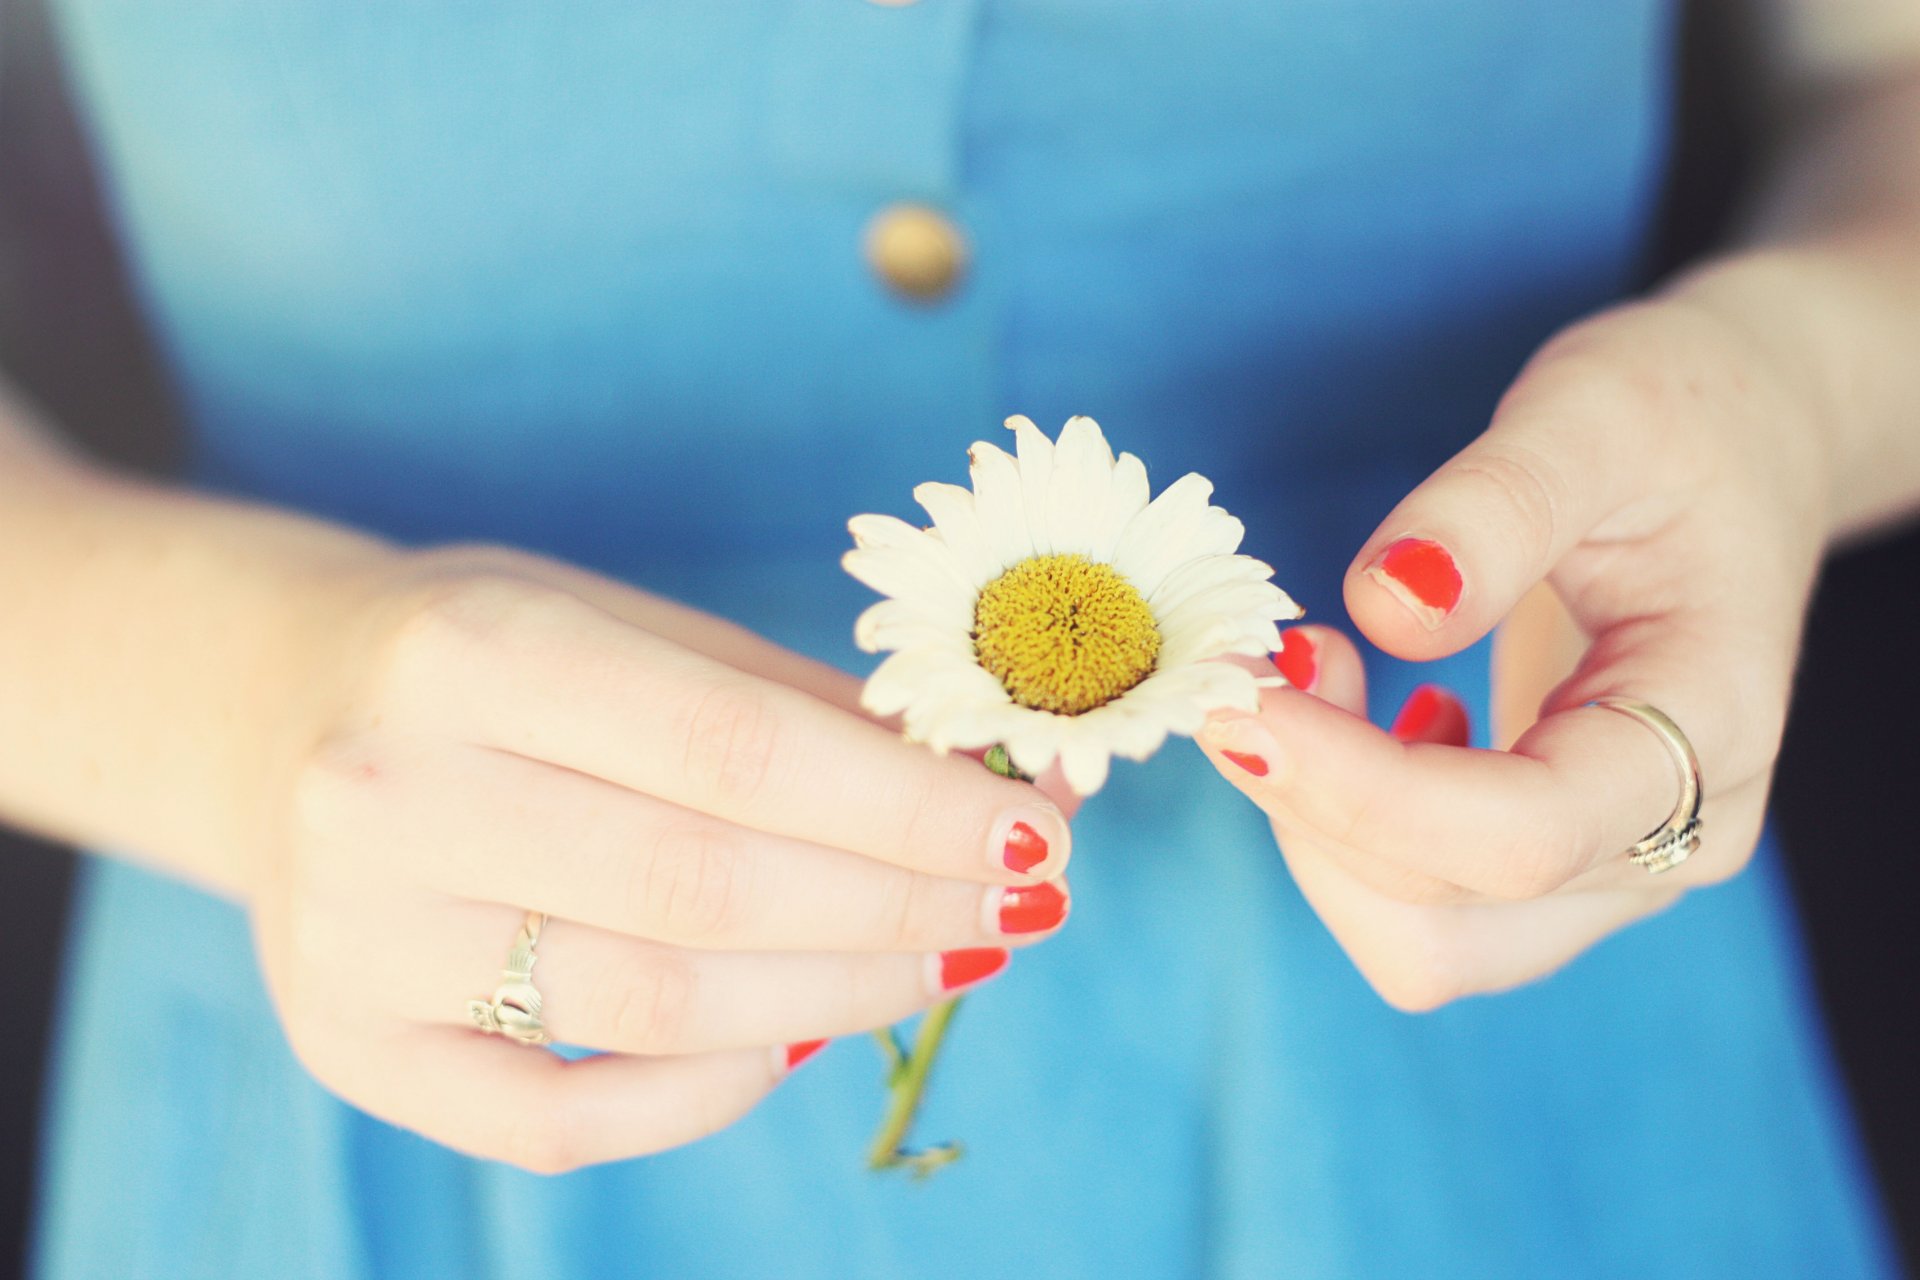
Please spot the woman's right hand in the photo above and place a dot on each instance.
(733, 859)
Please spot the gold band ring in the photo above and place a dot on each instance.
(1673, 841)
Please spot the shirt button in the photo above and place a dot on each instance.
(919, 253)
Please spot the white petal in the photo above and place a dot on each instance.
(1189, 536)
(1175, 527)
(1199, 575)
(1082, 476)
(974, 725)
(998, 504)
(899, 624)
(1133, 726)
(957, 523)
(1036, 474)
(1084, 760)
(1247, 603)
(1127, 496)
(937, 590)
(961, 714)
(1216, 637)
(1033, 738)
(889, 533)
(1209, 686)
(901, 680)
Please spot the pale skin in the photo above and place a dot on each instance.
(388, 756)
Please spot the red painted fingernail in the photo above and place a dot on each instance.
(1032, 908)
(1026, 848)
(1253, 764)
(1297, 660)
(800, 1051)
(1431, 714)
(966, 967)
(1422, 576)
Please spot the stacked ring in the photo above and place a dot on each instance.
(1673, 841)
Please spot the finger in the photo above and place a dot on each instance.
(1419, 957)
(601, 990)
(1325, 662)
(1505, 824)
(497, 1100)
(691, 628)
(1455, 556)
(482, 825)
(569, 684)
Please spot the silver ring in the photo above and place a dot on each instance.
(1673, 841)
(514, 1011)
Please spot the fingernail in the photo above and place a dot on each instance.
(956, 969)
(801, 1050)
(1246, 743)
(1432, 714)
(1025, 848)
(1297, 660)
(1031, 908)
(1422, 576)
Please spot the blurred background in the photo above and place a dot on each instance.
(70, 334)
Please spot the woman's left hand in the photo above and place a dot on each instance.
(1668, 483)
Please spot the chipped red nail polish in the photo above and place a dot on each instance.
(1026, 848)
(800, 1051)
(1032, 908)
(1253, 764)
(1297, 660)
(970, 965)
(1422, 574)
(1431, 714)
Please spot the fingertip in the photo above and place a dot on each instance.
(786, 1058)
(1298, 658)
(1321, 661)
(1406, 597)
(1242, 748)
(1433, 714)
(1032, 842)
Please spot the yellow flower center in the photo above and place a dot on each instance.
(1064, 633)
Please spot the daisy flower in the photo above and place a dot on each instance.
(1053, 611)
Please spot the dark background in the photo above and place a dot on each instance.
(69, 333)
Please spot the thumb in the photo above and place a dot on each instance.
(1455, 555)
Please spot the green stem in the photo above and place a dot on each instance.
(907, 1073)
(889, 1039)
(906, 1087)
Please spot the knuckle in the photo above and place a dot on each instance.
(1602, 369)
(921, 820)
(1425, 972)
(732, 739)
(340, 783)
(691, 886)
(1412, 989)
(644, 1003)
(456, 617)
(903, 916)
(1353, 819)
(1531, 490)
(541, 1139)
(1525, 873)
